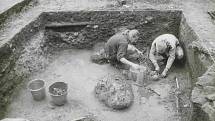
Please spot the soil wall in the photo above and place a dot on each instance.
(104, 24)
(198, 62)
(10, 78)
(187, 36)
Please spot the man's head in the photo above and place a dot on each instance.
(133, 35)
(179, 52)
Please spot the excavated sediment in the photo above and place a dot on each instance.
(115, 92)
(104, 24)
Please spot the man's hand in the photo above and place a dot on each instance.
(164, 73)
(140, 53)
(157, 68)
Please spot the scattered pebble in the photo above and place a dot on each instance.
(155, 77)
(95, 26)
(58, 91)
(186, 105)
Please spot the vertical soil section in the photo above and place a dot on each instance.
(106, 23)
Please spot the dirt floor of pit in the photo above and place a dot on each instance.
(74, 67)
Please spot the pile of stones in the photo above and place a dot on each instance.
(114, 91)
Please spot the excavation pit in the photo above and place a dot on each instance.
(45, 50)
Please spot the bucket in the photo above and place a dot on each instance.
(37, 88)
(58, 93)
(137, 75)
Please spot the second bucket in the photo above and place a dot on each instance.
(58, 93)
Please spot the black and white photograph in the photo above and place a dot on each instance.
(107, 60)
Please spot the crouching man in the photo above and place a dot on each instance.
(165, 46)
(119, 50)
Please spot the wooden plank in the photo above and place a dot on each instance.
(57, 25)
(67, 27)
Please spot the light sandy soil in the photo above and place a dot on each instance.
(74, 67)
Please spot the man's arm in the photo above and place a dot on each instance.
(127, 62)
(133, 49)
(122, 51)
(152, 56)
(169, 61)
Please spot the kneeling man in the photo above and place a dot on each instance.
(165, 46)
(119, 48)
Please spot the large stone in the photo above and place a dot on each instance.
(210, 110)
(198, 96)
(197, 46)
(114, 91)
(211, 97)
(208, 78)
(209, 90)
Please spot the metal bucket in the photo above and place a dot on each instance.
(58, 93)
(133, 74)
(137, 75)
(37, 88)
